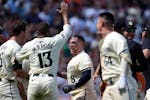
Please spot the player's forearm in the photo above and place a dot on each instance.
(85, 77)
(65, 18)
(21, 73)
(64, 11)
(125, 62)
(22, 91)
(97, 70)
(124, 67)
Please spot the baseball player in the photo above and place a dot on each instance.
(79, 72)
(115, 62)
(43, 54)
(11, 70)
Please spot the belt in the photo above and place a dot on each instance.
(37, 74)
(2, 79)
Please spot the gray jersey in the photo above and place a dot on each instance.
(43, 53)
(8, 51)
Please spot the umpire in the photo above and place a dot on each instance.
(138, 60)
(128, 31)
(146, 51)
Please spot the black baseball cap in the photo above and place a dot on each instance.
(130, 26)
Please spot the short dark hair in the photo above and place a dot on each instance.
(119, 26)
(108, 17)
(79, 38)
(43, 28)
(18, 27)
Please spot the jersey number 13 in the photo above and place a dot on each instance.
(45, 60)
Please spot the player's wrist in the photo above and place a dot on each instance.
(68, 88)
(123, 76)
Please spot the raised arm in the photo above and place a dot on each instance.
(64, 11)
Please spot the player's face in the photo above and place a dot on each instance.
(128, 35)
(99, 25)
(74, 45)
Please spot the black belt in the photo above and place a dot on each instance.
(7, 80)
(37, 74)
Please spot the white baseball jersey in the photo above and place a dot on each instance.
(43, 53)
(76, 65)
(112, 47)
(8, 51)
(8, 90)
(147, 96)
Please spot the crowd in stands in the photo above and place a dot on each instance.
(83, 15)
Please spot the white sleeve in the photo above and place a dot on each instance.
(124, 67)
(85, 63)
(64, 35)
(120, 47)
(24, 52)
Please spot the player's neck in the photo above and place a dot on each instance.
(41, 36)
(13, 38)
(106, 31)
(16, 39)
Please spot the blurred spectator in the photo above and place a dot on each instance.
(11, 6)
(44, 15)
(77, 23)
(32, 16)
(2, 38)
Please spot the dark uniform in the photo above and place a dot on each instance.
(135, 49)
(146, 45)
(137, 56)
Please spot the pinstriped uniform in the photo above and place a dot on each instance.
(8, 90)
(43, 54)
(76, 65)
(112, 48)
